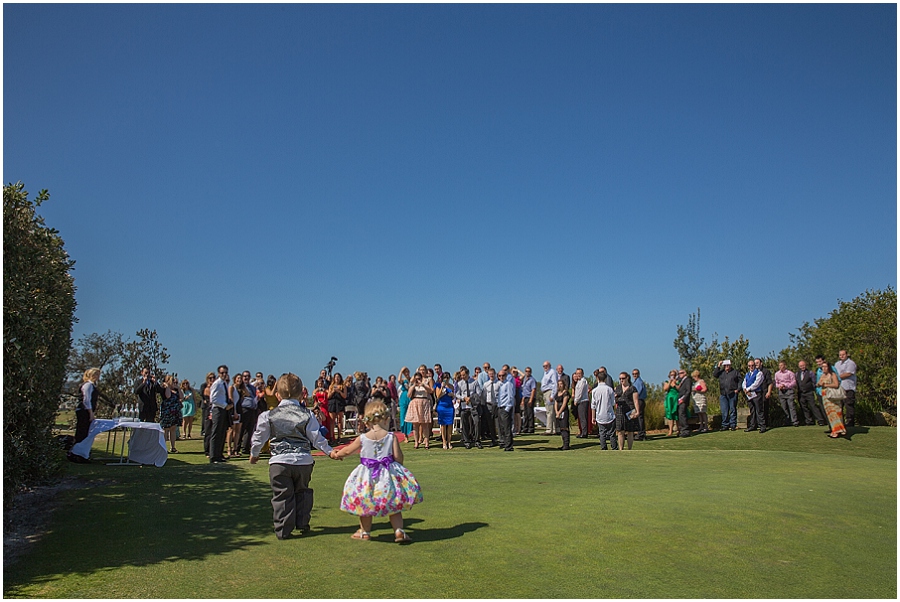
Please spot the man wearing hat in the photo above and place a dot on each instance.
(729, 386)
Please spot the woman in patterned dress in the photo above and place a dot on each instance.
(830, 383)
(170, 410)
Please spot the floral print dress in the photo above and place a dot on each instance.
(379, 486)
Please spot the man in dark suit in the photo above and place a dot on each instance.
(146, 389)
(806, 392)
(684, 402)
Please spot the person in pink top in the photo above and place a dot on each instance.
(786, 385)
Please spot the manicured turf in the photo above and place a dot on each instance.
(736, 515)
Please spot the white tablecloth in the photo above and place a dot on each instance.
(147, 444)
(540, 414)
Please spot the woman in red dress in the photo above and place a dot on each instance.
(320, 394)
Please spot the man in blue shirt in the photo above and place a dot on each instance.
(506, 403)
(638, 384)
(529, 389)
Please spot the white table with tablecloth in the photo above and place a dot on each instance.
(147, 444)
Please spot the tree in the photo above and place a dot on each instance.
(688, 342)
(120, 362)
(38, 312)
(694, 353)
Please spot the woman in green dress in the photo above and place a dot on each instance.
(670, 387)
(403, 388)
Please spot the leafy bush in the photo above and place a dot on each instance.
(38, 311)
(866, 327)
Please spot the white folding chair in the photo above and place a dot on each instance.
(351, 418)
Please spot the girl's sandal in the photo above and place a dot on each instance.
(400, 536)
(360, 534)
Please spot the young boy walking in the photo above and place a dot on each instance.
(292, 431)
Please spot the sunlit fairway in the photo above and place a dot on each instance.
(786, 514)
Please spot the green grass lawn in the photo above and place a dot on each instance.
(785, 514)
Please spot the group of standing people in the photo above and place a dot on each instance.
(834, 385)
(230, 409)
(492, 406)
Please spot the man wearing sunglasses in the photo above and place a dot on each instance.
(219, 407)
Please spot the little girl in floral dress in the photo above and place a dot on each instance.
(380, 485)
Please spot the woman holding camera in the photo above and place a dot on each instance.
(170, 410)
(188, 408)
(236, 393)
(419, 411)
(337, 399)
(444, 407)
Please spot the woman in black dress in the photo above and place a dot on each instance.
(627, 411)
(561, 411)
(337, 399)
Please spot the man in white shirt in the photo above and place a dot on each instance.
(219, 405)
(548, 390)
(582, 399)
(488, 409)
(846, 370)
(603, 401)
(467, 395)
(292, 431)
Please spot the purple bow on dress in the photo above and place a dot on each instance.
(376, 465)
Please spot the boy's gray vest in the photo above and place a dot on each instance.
(287, 428)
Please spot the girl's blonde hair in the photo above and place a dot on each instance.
(91, 373)
(376, 411)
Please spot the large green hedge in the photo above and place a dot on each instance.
(38, 311)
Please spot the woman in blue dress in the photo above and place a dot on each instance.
(403, 402)
(444, 394)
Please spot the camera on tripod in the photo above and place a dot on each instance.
(330, 365)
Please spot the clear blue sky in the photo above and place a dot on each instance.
(267, 186)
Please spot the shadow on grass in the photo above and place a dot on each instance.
(382, 531)
(146, 515)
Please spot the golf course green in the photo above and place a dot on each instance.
(786, 514)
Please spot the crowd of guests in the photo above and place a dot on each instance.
(490, 406)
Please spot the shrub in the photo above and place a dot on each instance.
(38, 311)
(654, 415)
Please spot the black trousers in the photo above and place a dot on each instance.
(757, 418)
(584, 418)
(82, 425)
(505, 422)
(642, 428)
(218, 429)
(248, 425)
(849, 407)
(684, 428)
(488, 426)
(527, 416)
(148, 412)
(562, 423)
(204, 412)
(809, 407)
(292, 499)
(469, 426)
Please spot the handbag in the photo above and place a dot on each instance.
(836, 394)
